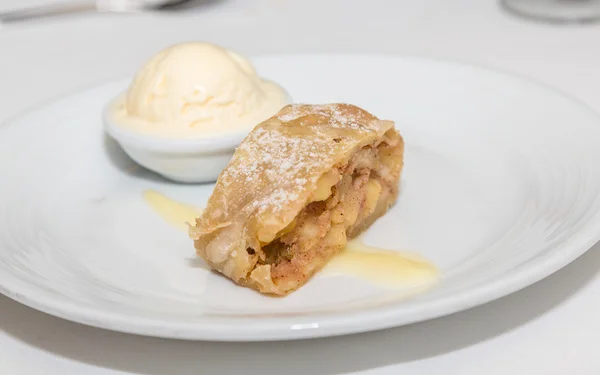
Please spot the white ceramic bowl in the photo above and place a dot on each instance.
(181, 160)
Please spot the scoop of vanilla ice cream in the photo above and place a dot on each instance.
(198, 87)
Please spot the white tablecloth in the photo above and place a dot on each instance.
(550, 328)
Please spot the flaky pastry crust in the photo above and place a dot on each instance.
(299, 185)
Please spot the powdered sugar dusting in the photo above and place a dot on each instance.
(272, 157)
(281, 155)
(339, 115)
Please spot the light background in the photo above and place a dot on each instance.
(549, 328)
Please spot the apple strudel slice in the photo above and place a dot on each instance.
(297, 188)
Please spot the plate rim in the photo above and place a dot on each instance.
(320, 325)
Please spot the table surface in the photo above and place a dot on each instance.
(549, 328)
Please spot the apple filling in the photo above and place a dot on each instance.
(346, 201)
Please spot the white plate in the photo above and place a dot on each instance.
(500, 190)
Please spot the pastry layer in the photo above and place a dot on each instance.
(298, 187)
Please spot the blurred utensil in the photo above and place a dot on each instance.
(69, 8)
(556, 11)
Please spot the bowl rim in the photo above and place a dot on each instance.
(149, 142)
